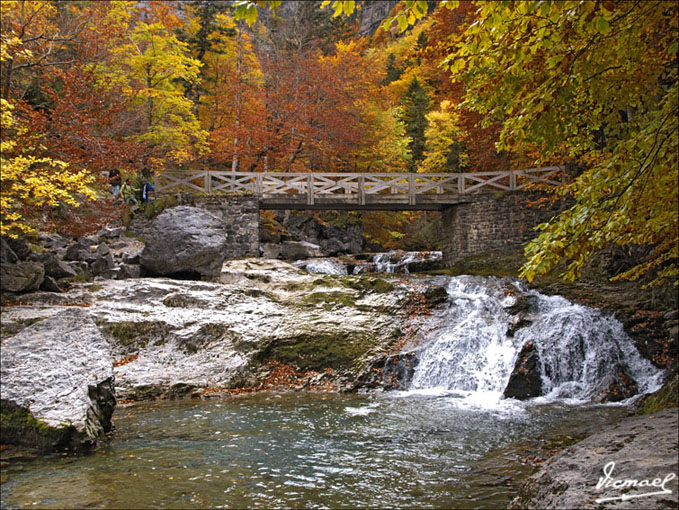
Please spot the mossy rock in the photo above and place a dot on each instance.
(665, 397)
(317, 352)
(20, 427)
(135, 335)
(330, 300)
(368, 284)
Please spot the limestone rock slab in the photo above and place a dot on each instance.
(61, 370)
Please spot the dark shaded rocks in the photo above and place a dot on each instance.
(7, 255)
(525, 381)
(102, 265)
(296, 250)
(57, 268)
(620, 386)
(399, 369)
(22, 276)
(339, 236)
(523, 304)
(49, 284)
(80, 251)
(57, 383)
(185, 240)
(270, 250)
(126, 271)
(435, 295)
(19, 246)
(332, 247)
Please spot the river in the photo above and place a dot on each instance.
(302, 450)
(449, 439)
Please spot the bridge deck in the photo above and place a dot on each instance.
(356, 191)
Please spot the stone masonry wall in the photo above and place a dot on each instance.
(490, 223)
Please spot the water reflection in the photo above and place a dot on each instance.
(305, 450)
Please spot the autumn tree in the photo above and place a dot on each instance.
(30, 181)
(149, 64)
(598, 81)
(444, 147)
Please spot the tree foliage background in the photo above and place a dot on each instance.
(264, 85)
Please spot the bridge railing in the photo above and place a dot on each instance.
(355, 184)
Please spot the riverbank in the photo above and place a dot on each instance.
(632, 464)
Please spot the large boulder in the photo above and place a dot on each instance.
(21, 276)
(185, 240)
(296, 250)
(57, 383)
(526, 380)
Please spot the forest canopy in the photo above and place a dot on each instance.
(256, 85)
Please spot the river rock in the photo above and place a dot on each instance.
(57, 268)
(398, 370)
(621, 386)
(435, 295)
(128, 271)
(640, 448)
(19, 246)
(52, 241)
(296, 250)
(103, 249)
(49, 284)
(270, 250)
(7, 255)
(185, 240)
(61, 371)
(332, 247)
(80, 252)
(23, 276)
(102, 265)
(525, 381)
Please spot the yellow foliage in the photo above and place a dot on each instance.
(30, 182)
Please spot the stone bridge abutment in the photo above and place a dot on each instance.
(492, 222)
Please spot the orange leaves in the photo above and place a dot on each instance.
(125, 360)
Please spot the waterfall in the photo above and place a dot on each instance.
(478, 337)
(401, 262)
(322, 266)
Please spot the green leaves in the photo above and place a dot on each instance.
(566, 78)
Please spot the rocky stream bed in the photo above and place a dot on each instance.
(89, 325)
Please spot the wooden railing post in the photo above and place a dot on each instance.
(207, 182)
(310, 189)
(258, 184)
(460, 184)
(512, 180)
(361, 189)
(411, 190)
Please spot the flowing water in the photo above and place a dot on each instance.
(299, 450)
(446, 442)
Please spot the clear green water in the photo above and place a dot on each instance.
(300, 450)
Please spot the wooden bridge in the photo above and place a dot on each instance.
(359, 191)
